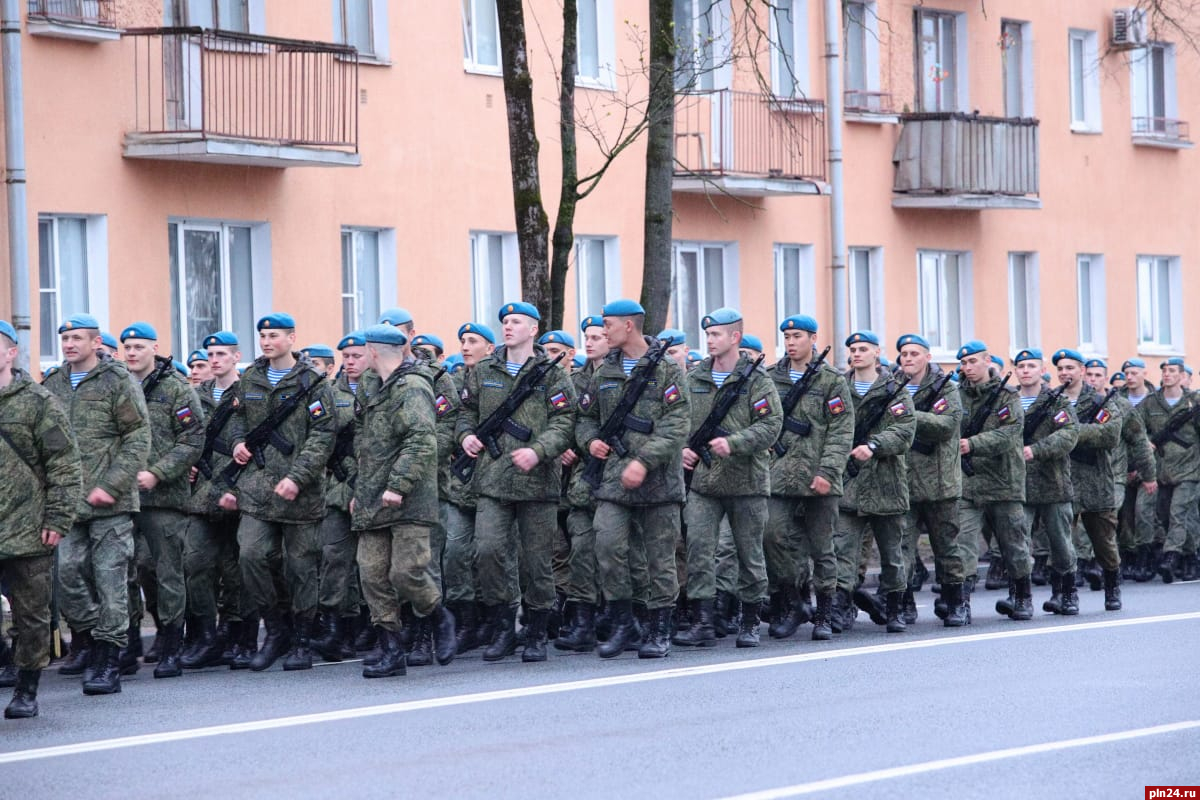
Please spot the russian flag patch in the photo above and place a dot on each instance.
(940, 406)
(184, 415)
(1062, 418)
(762, 407)
(559, 400)
(671, 395)
(1004, 413)
(1102, 416)
(836, 405)
(898, 410)
(441, 404)
(316, 409)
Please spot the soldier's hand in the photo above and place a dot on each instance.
(99, 497)
(569, 458)
(1150, 486)
(690, 458)
(472, 446)
(599, 449)
(352, 504)
(634, 474)
(525, 459)
(392, 500)
(287, 489)
(964, 446)
(146, 480)
(820, 485)
(862, 453)
(228, 502)
(1027, 452)
(721, 447)
(50, 538)
(193, 473)
(242, 454)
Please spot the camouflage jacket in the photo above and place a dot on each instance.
(447, 400)
(206, 492)
(881, 486)
(1178, 461)
(1134, 454)
(579, 494)
(111, 427)
(310, 430)
(396, 444)
(664, 404)
(461, 494)
(549, 413)
(996, 448)
(934, 472)
(829, 411)
(1099, 486)
(40, 464)
(753, 423)
(1048, 475)
(176, 437)
(338, 492)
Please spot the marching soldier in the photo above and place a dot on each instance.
(429, 347)
(199, 369)
(322, 358)
(1137, 470)
(677, 349)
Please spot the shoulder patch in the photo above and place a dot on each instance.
(316, 409)
(559, 400)
(762, 407)
(898, 409)
(606, 386)
(250, 396)
(493, 384)
(441, 405)
(185, 417)
(1062, 418)
(585, 400)
(836, 405)
(1004, 413)
(671, 395)
(1103, 416)
(940, 406)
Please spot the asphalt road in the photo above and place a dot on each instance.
(1098, 706)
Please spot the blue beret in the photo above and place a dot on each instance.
(1028, 354)
(140, 330)
(579, 362)
(385, 334)
(453, 363)
(1174, 361)
(858, 337)
(998, 361)
(8, 330)
(883, 362)
(970, 348)
(694, 356)
(77, 321)
(591, 321)
(395, 316)
(180, 367)
(623, 308)
(557, 337)
(352, 339)
(528, 309)
(1187, 369)
(108, 340)
(1094, 363)
(722, 316)
(1116, 376)
(799, 322)
(752, 342)
(912, 338)
(1067, 352)
(672, 336)
(197, 355)
(275, 321)
(1134, 362)
(429, 340)
(1045, 377)
(478, 330)
(318, 351)
(221, 339)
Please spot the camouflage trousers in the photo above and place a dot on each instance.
(1096, 537)
(1055, 522)
(1006, 521)
(28, 583)
(848, 539)
(337, 581)
(747, 519)
(1135, 519)
(581, 564)
(726, 556)
(1178, 512)
(93, 573)
(210, 564)
(939, 519)
(393, 564)
(630, 539)
(522, 530)
(260, 543)
(164, 531)
(800, 530)
(458, 557)
(560, 554)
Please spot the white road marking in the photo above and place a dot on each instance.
(875, 776)
(409, 706)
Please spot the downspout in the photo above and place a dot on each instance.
(14, 173)
(837, 208)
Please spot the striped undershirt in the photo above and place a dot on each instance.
(862, 387)
(1026, 402)
(77, 378)
(1172, 402)
(218, 393)
(1136, 399)
(627, 364)
(719, 378)
(274, 376)
(512, 368)
(795, 374)
(913, 388)
(353, 387)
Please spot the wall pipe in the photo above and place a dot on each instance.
(14, 174)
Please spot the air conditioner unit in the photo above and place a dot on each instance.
(1129, 28)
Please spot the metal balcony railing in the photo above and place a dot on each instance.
(859, 101)
(954, 153)
(101, 13)
(1160, 127)
(193, 83)
(723, 132)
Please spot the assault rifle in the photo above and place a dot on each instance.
(923, 400)
(1039, 414)
(711, 427)
(975, 424)
(212, 437)
(163, 366)
(1174, 425)
(1089, 456)
(792, 399)
(866, 423)
(343, 448)
(612, 432)
(267, 431)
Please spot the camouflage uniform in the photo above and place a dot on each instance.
(457, 519)
(40, 464)
(111, 427)
(1134, 455)
(1048, 490)
(1178, 468)
(1094, 471)
(582, 585)
(337, 584)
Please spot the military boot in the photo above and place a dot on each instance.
(445, 645)
(919, 576)
(349, 634)
(536, 636)
(247, 646)
(1054, 604)
(997, 573)
(624, 632)
(151, 655)
(941, 607)
(1188, 572)
(1038, 576)
(724, 611)
(581, 638)
(895, 613)
(1005, 606)
(391, 661)
(504, 634)
(232, 641)
(465, 622)
(1112, 590)
(656, 642)
(79, 655)
(327, 639)
(1168, 568)
(368, 635)
(132, 651)
(967, 590)
(1147, 565)
(1093, 574)
(1080, 566)
(839, 610)
(276, 643)
(909, 610)
(604, 622)
(107, 677)
(641, 623)
(682, 618)
(872, 605)
(558, 616)
(777, 605)
(1128, 564)
(24, 700)
(822, 632)
(301, 654)
(1070, 597)
(956, 611)
(483, 626)
(1023, 600)
(798, 612)
(168, 665)
(748, 629)
(420, 653)
(207, 651)
(702, 633)
(375, 654)
(8, 670)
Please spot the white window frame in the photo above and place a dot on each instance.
(806, 279)
(1097, 344)
(730, 285)
(386, 265)
(1028, 262)
(797, 83)
(1020, 57)
(869, 24)
(471, 62)
(378, 15)
(585, 304)
(959, 70)
(944, 348)
(1088, 84)
(177, 13)
(714, 48)
(479, 263)
(875, 281)
(96, 252)
(1148, 301)
(606, 56)
(1141, 85)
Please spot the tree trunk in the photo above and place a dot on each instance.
(564, 223)
(660, 167)
(533, 227)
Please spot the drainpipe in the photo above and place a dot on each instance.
(14, 173)
(837, 207)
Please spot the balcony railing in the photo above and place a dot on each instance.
(100, 13)
(859, 101)
(954, 160)
(1162, 132)
(225, 97)
(748, 143)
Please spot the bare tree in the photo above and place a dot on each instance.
(660, 166)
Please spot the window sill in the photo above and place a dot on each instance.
(1086, 131)
(594, 85)
(77, 30)
(1161, 142)
(368, 60)
(480, 69)
(872, 117)
(1159, 351)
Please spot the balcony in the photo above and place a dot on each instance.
(1168, 134)
(80, 20)
(968, 162)
(748, 144)
(871, 107)
(217, 97)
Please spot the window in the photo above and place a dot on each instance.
(1152, 87)
(495, 272)
(704, 278)
(1024, 316)
(598, 271)
(244, 16)
(789, 48)
(1160, 312)
(1085, 81)
(1016, 56)
(368, 275)
(1093, 336)
(220, 280)
(594, 34)
(944, 299)
(940, 56)
(866, 289)
(72, 275)
(363, 25)
(481, 36)
(862, 57)
(795, 283)
(696, 28)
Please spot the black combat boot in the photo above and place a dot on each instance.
(941, 607)
(1128, 564)
(1189, 569)
(207, 650)
(391, 661)
(777, 604)
(367, 635)
(1023, 599)
(349, 634)
(1070, 597)
(701, 634)
(997, 573)
(822, 632)
(919, 576)
(79, 655)
(967, 591)
(872, 605)
(604, 622)
(465, 622)
(151, 655)
(483, 625)
(107, 677)
(682, 618)
(24, 700)
(558, 617)
(247, 646)
(168, 665)
(1168, 568)
(536, 636)
(329, 644)
(1093, 574)
(624, 632)
(1038, 576)
(132, 651)
(895, 613)
(8, 670)
(441, 625)
(839, 610)
(908, 611)
(1054, 604)
(1006, 605)
(375, 654)
(276, 643)
(224, 638)
(581, 638)
(748, 628)
(724, 611)
(1112, 590)
(504, 634)
(301, 655)
(956, 611)
(641, 622)
(231, 642)
(1147, 566)
(656, 642)
(798, 612)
